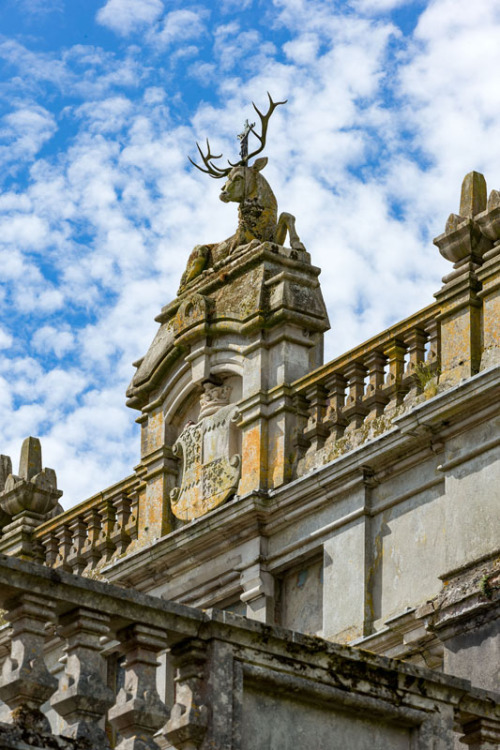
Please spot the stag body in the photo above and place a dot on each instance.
(258, 209)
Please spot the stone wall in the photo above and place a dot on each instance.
(239, 685)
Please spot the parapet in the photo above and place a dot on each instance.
(239, 683)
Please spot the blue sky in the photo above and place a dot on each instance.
(390, 103)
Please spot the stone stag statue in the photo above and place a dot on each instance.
(258, 209)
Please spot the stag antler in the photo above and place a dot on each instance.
(262, 137)
(213, 170)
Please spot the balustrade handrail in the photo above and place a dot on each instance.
(358, 353)
(123, 606)
(124, 486)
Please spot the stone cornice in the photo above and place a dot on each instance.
(414, 437)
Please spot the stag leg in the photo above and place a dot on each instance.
(197, 262)
(286, 222)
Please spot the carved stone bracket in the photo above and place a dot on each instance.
(481, 734)
(139, 710)
(188, 721)
(258, 592)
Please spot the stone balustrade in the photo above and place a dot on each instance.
(90, 535)
(357, 395)
(239, 684)
(87, 615)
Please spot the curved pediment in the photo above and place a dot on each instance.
(254, 290)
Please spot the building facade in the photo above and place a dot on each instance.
(354, 501)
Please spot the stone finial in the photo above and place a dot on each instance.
(5, 470)
(489, 220)
(473, 195)
(26, 500)
(494, 200)
(30, 463)
(34, 488)
(462, 241)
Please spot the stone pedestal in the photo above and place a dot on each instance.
(464, 244)
(249, 326)
(460, 320)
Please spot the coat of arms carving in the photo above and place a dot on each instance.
(211, 468)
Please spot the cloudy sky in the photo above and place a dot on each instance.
(390, 103)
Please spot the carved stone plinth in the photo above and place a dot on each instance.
(139, 710)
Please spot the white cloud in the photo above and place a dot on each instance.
(5, 339)
(50, 339)
(126, 16)
(379, 6)
(24, 132)
(180, 26)
(107, 115)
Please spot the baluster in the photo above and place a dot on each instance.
(50, 544)
(76, 557)
(65, 539)
(355, 410)
(433, 330)
(119, 535)
(395, 352)
(26, 682)
(335, 385)
(131, 527)
(375, 398)
(89, 550)
(38, 551)
(139, 710)
(302, 411)
(415, 371)
(104, 543)
(83, 698)
(316, 432)
(189, 716)
(415, 341)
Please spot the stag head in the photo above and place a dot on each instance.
(242, 182)
(217, 172)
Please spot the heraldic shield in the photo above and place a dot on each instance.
(210, 469)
